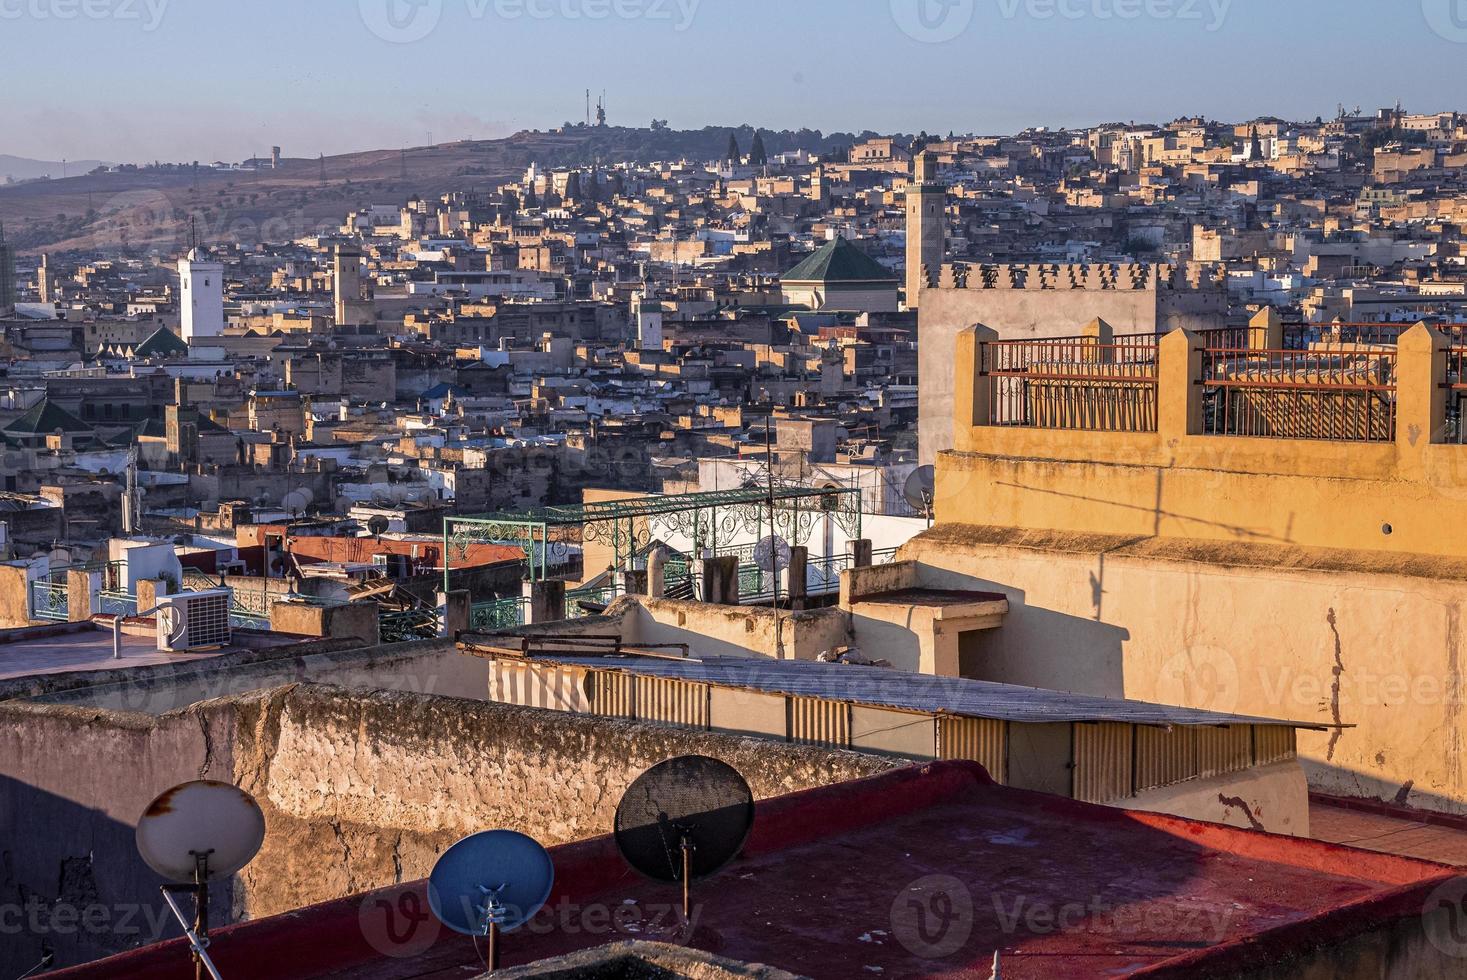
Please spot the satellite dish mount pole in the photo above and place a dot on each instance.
(494, 914)
(687, 849)
(198, 933)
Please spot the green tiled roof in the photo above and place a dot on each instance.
(839, 261)
(162, 343)
(44, 418)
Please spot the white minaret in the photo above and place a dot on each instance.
(201, 301)
(649, 323)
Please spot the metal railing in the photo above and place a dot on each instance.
(1071, 383)
(1456, 386)
(50, 600)
(1337, 395)
(117, 603)
(500, 614)
(603, 596)
(407, 626)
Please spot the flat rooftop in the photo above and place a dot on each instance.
(70, 648)
(918, 873)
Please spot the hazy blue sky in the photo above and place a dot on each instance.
(222, 79)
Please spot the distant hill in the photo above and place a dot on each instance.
(139, 210)
(22, 168)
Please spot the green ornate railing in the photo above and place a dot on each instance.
(501, 614)
(601, 597)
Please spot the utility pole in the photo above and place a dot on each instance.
(773, 549)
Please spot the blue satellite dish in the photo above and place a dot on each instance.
(498, 877)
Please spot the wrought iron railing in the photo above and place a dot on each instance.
(603, 596)
(50, 600)
(1456, 386)
(1072, 383)
(501, 614)
(1337, 395)
(117, 603)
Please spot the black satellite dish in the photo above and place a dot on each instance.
(684, 820)
(490, 883)
(377, 525)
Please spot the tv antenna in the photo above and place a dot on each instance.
(193, 834)
(489, 884)
(920, 489)
(684, 820)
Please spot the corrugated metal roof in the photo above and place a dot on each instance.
(915, 692)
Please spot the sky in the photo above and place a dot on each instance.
(182, 80)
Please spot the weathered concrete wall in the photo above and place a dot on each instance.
(359, 790)
(420, 668)
(72, 785)
(1336, 639)
(1271, 798)
(369, 789)
(733, 631)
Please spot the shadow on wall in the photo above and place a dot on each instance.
(1094, 665)
(72, 884)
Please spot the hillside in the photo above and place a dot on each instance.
(140, 210)
(23, 168)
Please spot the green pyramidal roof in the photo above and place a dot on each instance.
(162, 343)
(839, 261)
(44, 418)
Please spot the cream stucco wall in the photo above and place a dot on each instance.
(1341, 639)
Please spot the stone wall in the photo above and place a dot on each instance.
(359, 790)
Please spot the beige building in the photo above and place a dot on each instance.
(1241, 529)
(1028, 302)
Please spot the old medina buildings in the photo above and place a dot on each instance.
(1159, 675)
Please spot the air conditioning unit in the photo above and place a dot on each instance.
(194, 620)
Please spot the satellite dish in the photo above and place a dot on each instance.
(295, 502)
(217, 821)
(490, 883)
(920, 489)
(772, 554)
(193, 834)
(684, 820)
(378, 525)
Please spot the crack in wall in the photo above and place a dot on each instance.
(1237, 802)
(208, 743)
(345, 854)
(1338, 672)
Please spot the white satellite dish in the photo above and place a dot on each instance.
(218, 821)
(193, 834)
(920, 489)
